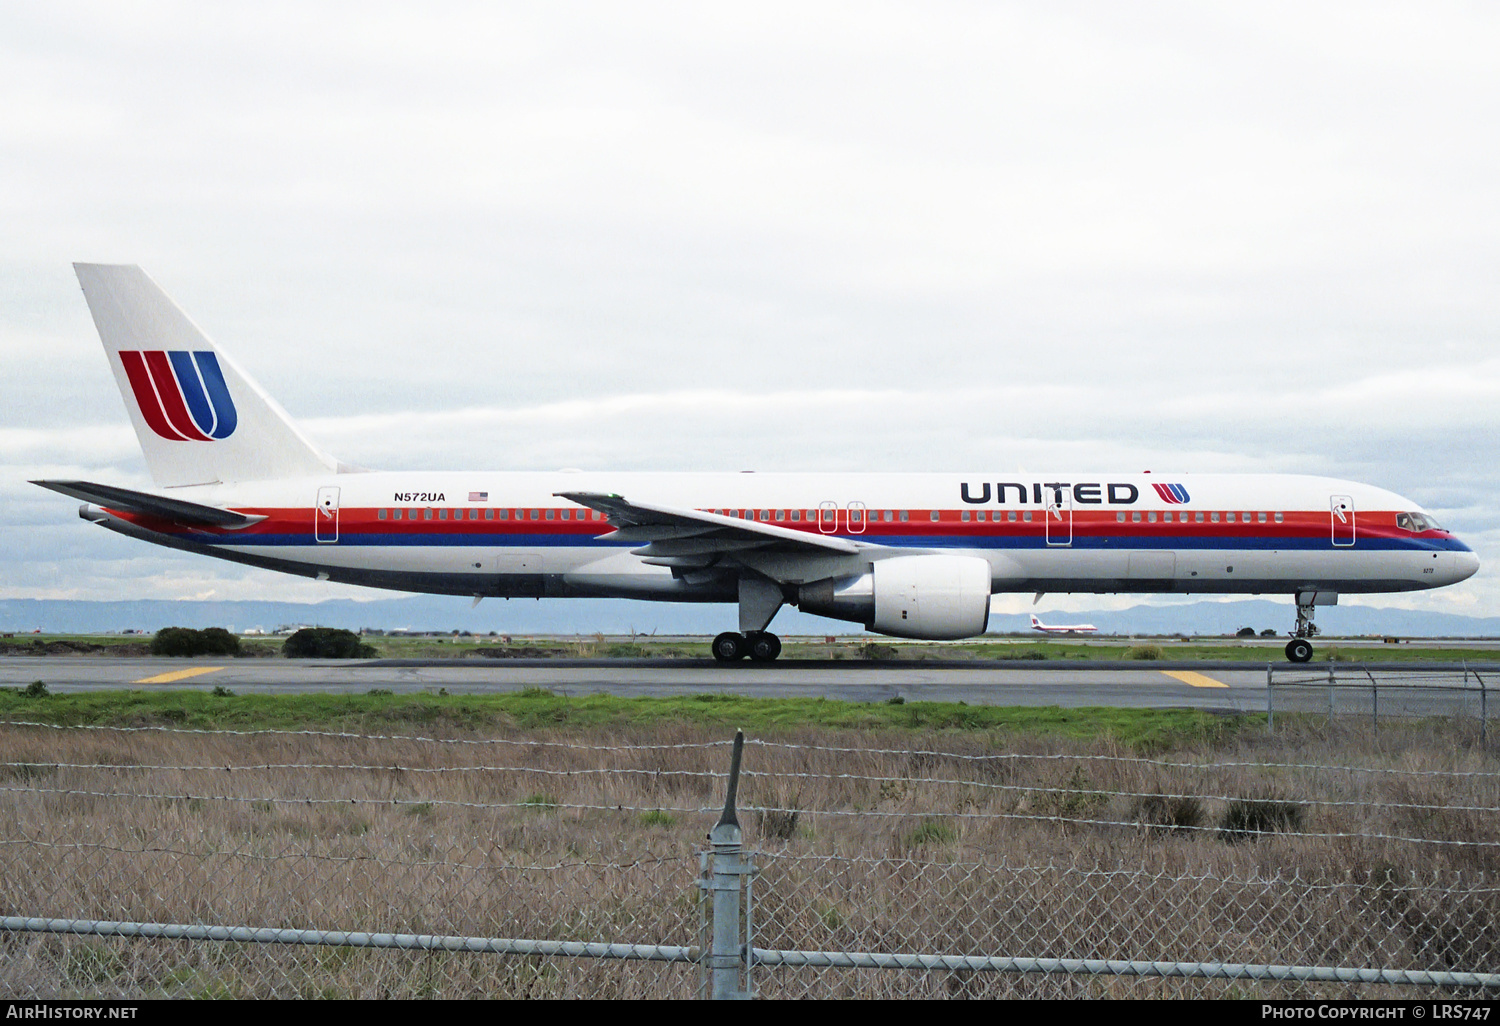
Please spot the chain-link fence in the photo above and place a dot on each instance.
(1346, 695)
(156, 862)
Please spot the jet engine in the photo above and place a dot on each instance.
(935, 598)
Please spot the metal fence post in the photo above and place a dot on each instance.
(726, 873)
(1374, 702)
(1270, 706)
(1484, 734)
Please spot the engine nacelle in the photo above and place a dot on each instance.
(935, 598)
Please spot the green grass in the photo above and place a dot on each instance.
(537, 708)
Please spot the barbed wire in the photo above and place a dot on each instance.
(762, 774)
(548, 805)
(1278, 876)
(636, 862)
(1129, 759)
(541, 804)
(1140, 825)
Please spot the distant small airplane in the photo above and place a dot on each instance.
(1076, 628)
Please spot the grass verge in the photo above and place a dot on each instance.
(536, 708)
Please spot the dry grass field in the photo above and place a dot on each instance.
(1289, 849)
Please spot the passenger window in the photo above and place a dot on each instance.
(381, 514)
(966, 516)
(889, 516)
(551, 514)
(489, 514)
(1135, 516)
(1260, 518)
(1229, 518)
(1279, 518)
(531, 514)
(1198, 516)
(1151, 517)
(1119, 516)
(905, 515)
(765, 514)
(1011, 516)
(934, 515)
(780, 515)
(1028, 516)
(505, 514)
(1214, 517)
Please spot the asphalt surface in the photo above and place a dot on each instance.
(1237, 686)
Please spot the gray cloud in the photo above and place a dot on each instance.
(959, 235)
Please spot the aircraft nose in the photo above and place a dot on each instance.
(1465, 565)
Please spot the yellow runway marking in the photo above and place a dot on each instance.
(167, 678)
(1197, 680)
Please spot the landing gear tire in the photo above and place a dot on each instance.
(1299, 650)
(730, 646)
(764, 646)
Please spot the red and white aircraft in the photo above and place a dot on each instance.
(1077, 628)
(910, 555)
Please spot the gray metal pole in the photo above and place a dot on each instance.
(728, 978)
(1270, 706)
(1374, 702)
(1484, 735)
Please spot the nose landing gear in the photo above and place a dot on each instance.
(1300, 649)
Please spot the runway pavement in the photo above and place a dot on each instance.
(1199, 685)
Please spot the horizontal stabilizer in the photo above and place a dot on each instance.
(126, 500)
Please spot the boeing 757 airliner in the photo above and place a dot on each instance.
(910, 555)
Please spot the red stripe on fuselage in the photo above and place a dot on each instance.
(1296, 525)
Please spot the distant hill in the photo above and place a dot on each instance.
(611, 616)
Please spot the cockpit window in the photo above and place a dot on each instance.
(1417, 522)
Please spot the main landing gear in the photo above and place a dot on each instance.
(760, 646)
(1300, 649)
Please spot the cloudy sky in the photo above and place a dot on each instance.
(981, 237)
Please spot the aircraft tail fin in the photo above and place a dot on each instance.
(199, 417)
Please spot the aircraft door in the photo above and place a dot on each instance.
(857, 517)
(828, 516)
(1059, 516)
(326, 516)
(1341, 517)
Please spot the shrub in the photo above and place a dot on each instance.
(184, 641)
(220, 691)
(36, 689)
(1175, 814)
(1245, 632)
(1246, 819)
(1145, 652)
(777, 824)
(876, 651)
(326, 643)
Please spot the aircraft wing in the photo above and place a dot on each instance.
(126, 500)
(672, 534)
